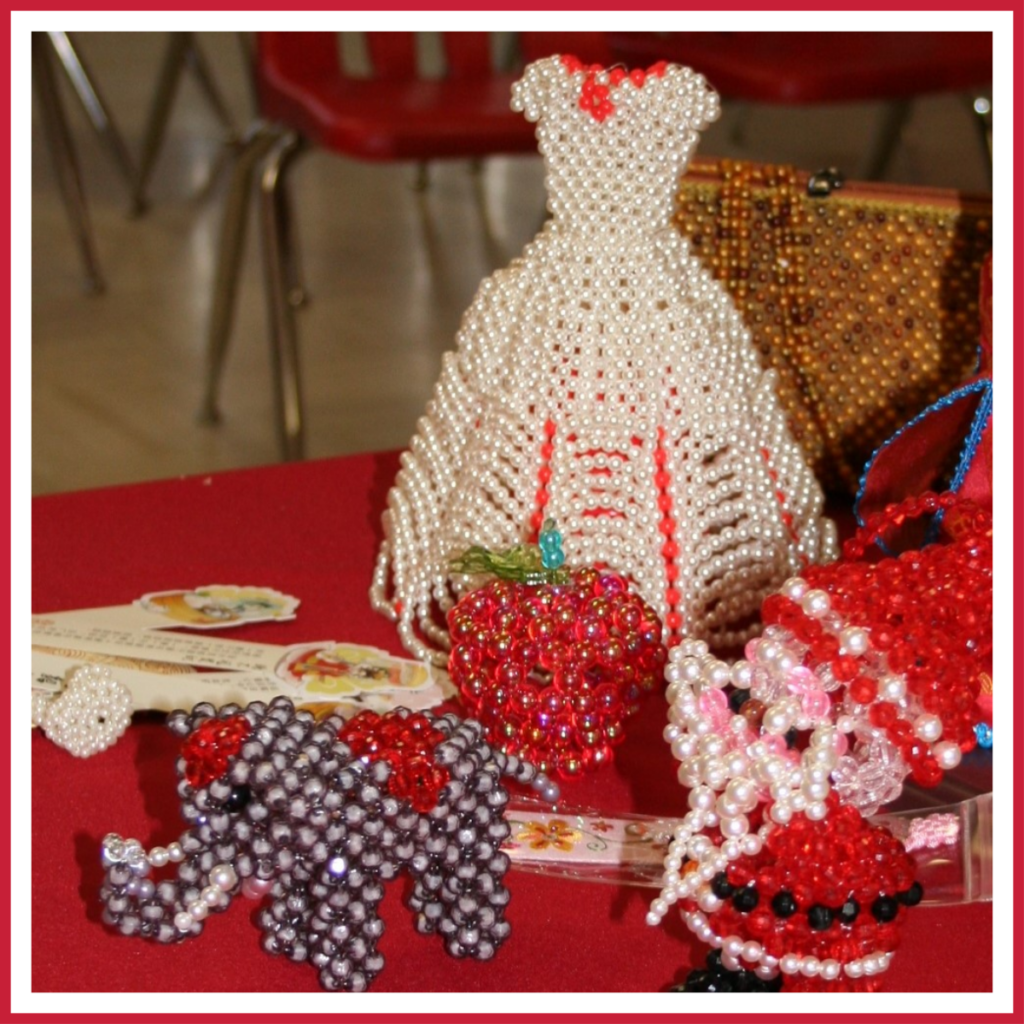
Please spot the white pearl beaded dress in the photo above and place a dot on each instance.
(605, 379)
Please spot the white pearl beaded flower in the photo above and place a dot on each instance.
(605, 379)
(90, 715)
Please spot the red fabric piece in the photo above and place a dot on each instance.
(312, 530)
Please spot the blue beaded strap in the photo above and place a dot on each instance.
(982, 415)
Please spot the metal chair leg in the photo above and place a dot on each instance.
(62, 150)
(281, 313)
(159, 112)
(254, 147)
(295, 290)
(96, 110)
(183, 53)
(197, 62)
(894, 119)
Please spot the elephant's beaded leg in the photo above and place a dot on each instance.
(285, 922)
(347, 929)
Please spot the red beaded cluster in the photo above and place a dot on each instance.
(407, 743)
(783, 501)
(928, 610)
(595, 96)
(670, 549)
(211, 746)
(834, 889)
(552, 671)
(547, 449)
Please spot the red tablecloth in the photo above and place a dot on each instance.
(312, 530)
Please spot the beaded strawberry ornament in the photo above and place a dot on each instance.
(552, 661)
(867, 673)
(606, 380)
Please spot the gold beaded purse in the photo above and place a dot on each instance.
(863, 297)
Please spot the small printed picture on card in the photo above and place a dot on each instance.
(218, 606)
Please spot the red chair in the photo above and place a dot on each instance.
(829, 67)
(307, 98)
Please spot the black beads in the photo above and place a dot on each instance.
(791, 738)
(238, 799)
(721, 886)
(819, 917)
(716, 978)
(745, 899)
(738, 698)
(783, 904)
(848, 912)
(912, 896)
(884, 909)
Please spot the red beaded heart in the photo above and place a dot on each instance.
(553, 670)
(406, 742)
(211, 746)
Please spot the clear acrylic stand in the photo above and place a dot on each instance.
(952, 845)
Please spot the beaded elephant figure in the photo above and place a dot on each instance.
(318, 815)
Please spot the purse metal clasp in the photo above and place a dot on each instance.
(824, 183)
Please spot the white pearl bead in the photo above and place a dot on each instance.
(928, 727)
(751, 951)
(183, 921)
(810, 966)
(223, 877)
(816, 603)
(790, 963)
(892, 688)
(947, 754)
(158, 856)
(853, 640)
(830, 969)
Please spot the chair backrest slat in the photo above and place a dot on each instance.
(468, 54)
(298, 56)
(392, 54)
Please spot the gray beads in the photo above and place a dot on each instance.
(297, 812)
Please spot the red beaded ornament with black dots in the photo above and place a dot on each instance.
(826, 899)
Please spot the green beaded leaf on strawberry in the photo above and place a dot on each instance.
(552, 660)
(525, 563)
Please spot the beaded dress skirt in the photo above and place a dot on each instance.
(606, 380)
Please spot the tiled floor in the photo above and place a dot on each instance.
(117, 378)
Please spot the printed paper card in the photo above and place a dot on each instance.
(214, 606)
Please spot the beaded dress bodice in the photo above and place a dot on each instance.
(606, 380)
